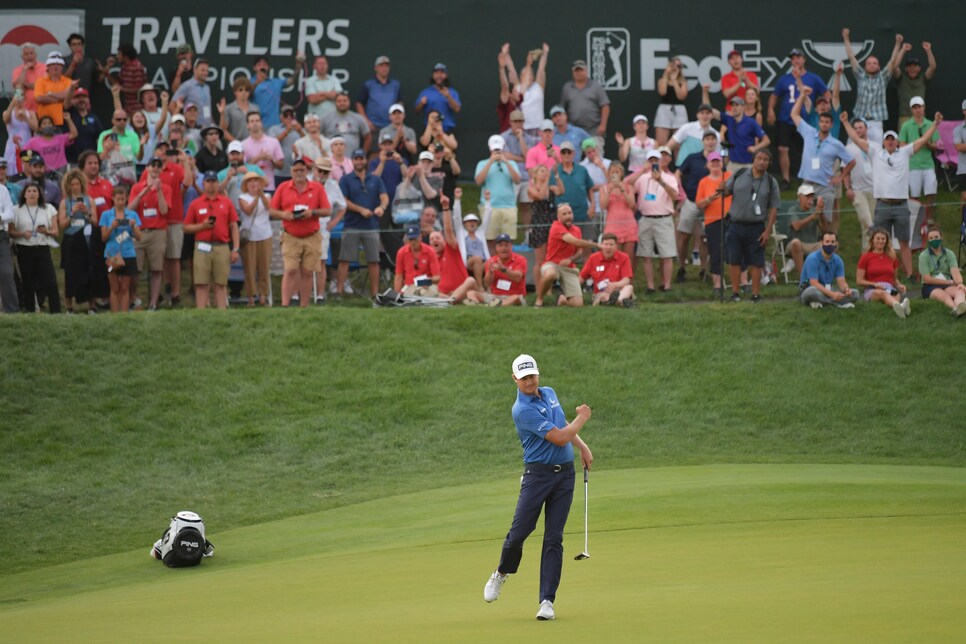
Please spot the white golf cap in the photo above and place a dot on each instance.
(653, 154)
(891, 133)
(546, 124)
(639, 117)
(471, 217)
(236, 146)
(524, 365)
(397, 107)
(806, 189)
(425, 155)
(495, 142)
(55, 58)
(916, 100)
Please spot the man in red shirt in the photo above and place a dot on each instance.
(564, 247)
(178, 175)
(152, 199)
(738, 80)
(611, 272)
(299, 203)
(455, 281)
(417, 266)
(504, 277)
(214, 222)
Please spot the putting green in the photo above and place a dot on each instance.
(709, 553)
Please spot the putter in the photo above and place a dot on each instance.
(584, 554)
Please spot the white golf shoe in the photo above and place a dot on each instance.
(546, 610)
(907, 305)
(491, 592)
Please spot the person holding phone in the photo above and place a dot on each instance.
(120, 228)
(33, 230)
(213, 220)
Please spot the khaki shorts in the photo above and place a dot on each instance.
(150, 249)
(656, 231)
(213, 267)
(174, 242)
(690, 217)
(302, 252)
(502, 220)
(523, 195)
(569, 278)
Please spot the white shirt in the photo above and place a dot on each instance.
(29, 218)
(862, 171)
(890, 172)
(259, 224)
(6, 207)
(532, 107)
(336, 198)
(598, 176)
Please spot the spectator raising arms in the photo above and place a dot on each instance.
(672, 89)
(633, 151)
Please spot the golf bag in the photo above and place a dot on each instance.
(183, 544)
(393, 298)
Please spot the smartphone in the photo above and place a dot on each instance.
(18, 94)
(211, 219)
(122, 222)
(654, 167)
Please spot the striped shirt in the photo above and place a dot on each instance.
(870, 95)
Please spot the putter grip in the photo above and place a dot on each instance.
(585, 475)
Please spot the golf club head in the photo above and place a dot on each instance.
(582, 555)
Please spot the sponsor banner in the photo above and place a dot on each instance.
(47, 29)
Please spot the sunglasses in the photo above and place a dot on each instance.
(121, 120)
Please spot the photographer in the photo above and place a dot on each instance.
(120, 227)
(500, 177)
(214, 222)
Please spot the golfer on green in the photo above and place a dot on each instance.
(548, 481)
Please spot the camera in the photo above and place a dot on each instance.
(438, 147)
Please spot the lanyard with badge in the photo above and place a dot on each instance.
(816, 160)
(937, 263)
(754, 194)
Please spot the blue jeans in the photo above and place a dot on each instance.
(541, 488)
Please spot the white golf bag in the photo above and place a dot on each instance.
(183, 543)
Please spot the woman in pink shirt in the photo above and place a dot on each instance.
(51, 144)
(617, 200)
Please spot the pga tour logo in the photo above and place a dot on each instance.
(609, 59)
(48, 30)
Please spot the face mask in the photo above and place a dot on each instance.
(49, 131)
(935, 243)
(829, 249)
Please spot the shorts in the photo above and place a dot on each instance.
(927, 289)
(810, 247)
(960, 182)
(523, 195)
(175, 240)
(890, 288)
(130, 268)
(212, 267)
(569, 278)
(741, 243)
(690, 216)
(670, 117)
(151, 249)
(351, 239)
(922, 182)
(656, 231)
(502, 220)
(421, 291)
(894, 217)
(301, 252)
(786, 134)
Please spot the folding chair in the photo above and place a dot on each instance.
(779, 234)
(946, 155)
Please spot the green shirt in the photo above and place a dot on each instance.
(129, 144)
(934, 266)
(910, 131)
(809, 233)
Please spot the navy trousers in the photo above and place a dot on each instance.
(553, 492)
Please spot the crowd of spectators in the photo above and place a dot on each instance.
(179, 180)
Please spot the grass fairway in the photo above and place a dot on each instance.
(706, 553)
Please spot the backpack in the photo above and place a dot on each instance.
(183, 544)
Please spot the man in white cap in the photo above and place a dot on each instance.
(545, 151)
(805, 226)
(404, 137)
(500, 177)
(922, 169)
(890, 181)
(548, 442)
(53, 90)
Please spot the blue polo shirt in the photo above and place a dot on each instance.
(268, 98)
(576, 183)
(825, 151)
(787, 92)
(377, 97)
(742, 135)
(436, 101)
(365, 195)
(534, 416)
(816, 267)
(391, 176)
(503, 192)
(575, 135)
(693, 170)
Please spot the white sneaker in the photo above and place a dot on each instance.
(960, 309)
(546, 610)
(347, 289)
(907, 306)
(847, 305)
(899, 310)
(789, 266)
(815, 305)
(491, 592)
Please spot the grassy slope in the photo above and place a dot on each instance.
(259, 415)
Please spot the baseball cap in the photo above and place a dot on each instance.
(567, 145)
(358, 152)
(805, 190)
(397, 107)
(299, 161)
(286, 108)
(3, 163)
(579, 64)
(891, 133)
(639, 117)
(503, 237)
(912, 60)
(547, 124)
(183, 49)
(471, 217)
(323, 163)
(190, 106)
(211, 175)
(495, 142)
(236, 146)
(387, 138)
(524, 365)
(177, 118)
(589, 142)
(147, 87)
(795, 52)
(653, 154)
(737, 100)
(557, 109)
(426, 155)
(665, 150)
(517, 115)
(704, 107)
(440, 67)
(55, 58)
(381, 60)
(916, 100)
(35, 159)
(311, 117)
(714, 156)
(733, 52)
(209, 129)
(412, 232)
(80, 91)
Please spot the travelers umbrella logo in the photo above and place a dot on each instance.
(609, 56)
(48, 30)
